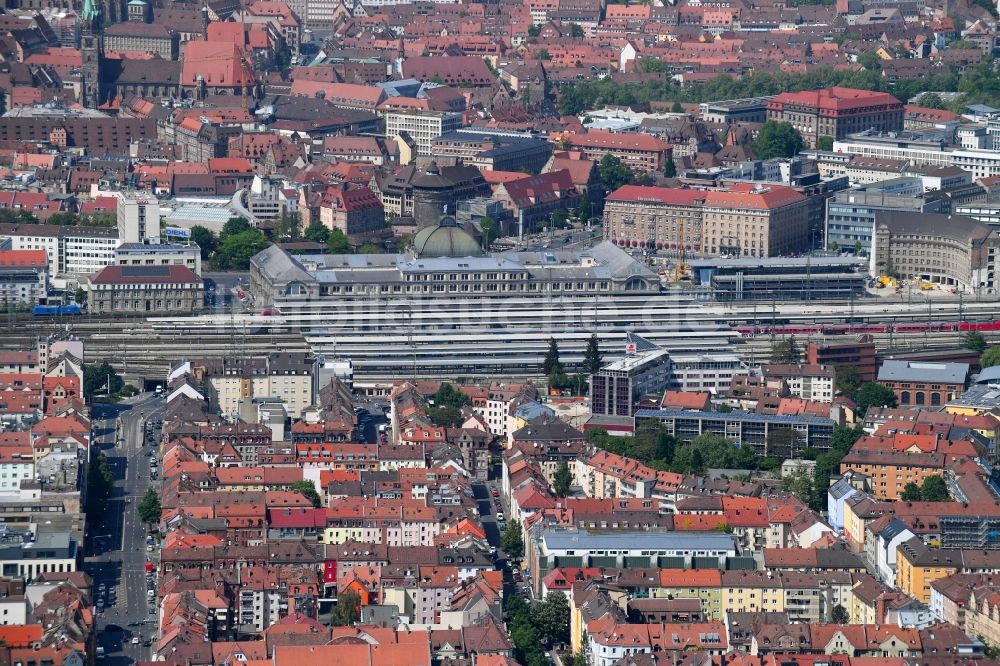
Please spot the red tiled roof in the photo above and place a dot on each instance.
(23, 258)
(834, 99)
(144, 275)
(666, 195)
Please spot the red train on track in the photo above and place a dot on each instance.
(844, 329)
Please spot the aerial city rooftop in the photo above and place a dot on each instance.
(507, 333)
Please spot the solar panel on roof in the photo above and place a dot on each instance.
(146, 271)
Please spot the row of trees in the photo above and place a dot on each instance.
(980, 84)
(238, 242)
(976, 341)
(652, 446)
(554, 369)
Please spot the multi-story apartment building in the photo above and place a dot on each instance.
(284, 375)
(769, 434)
(24, 276)
(422, 126)
(641, 152)
(755, 221)
(890, 471)
(357, 212)
(661, 218)
(71, 250)
(836, 112)
(809, 382)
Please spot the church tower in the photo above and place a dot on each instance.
(92, 49)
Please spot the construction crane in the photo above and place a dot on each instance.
(682, 268)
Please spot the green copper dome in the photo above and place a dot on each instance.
(445, 239)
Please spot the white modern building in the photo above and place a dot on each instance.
(422, 126)
(71, 250)
(138, 217)
(159, 254)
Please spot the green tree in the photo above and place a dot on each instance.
(584, 209)
(534, 31)
(347, 611)
(488, 227)
(307, 490)
(777, 139)
(711, 450)
(873, 394)
(581, 658)
(371, 248)
(824, 143)
(974, 341)
(205, 240)
(149, 508)
(652, 444)
(543, 54)
(870, 61)
(670, 170)
(562, 480)
(287, 227)
(234, 225)
(447, 408)
(786, 351)
(934, 489)
(79, 296)
(552, 363)
(848, 379)
(800, 485)
(100, 481)
(576, 31)
(511, 541)
(592, 356)
(614, 173)
(551, 618)
(559, 218)
(100, 380)
(931, 100)
(828, 464)
(990, 357)
(676, 107)
(839, 615)
(316, 232)
(911, 492)
(449, 395)
(236, 250)
(336, 242)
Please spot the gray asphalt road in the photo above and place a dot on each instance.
(120, 559)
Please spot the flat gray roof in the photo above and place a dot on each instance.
(636, 540)
(921, 371)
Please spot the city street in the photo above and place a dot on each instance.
(117, 544)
